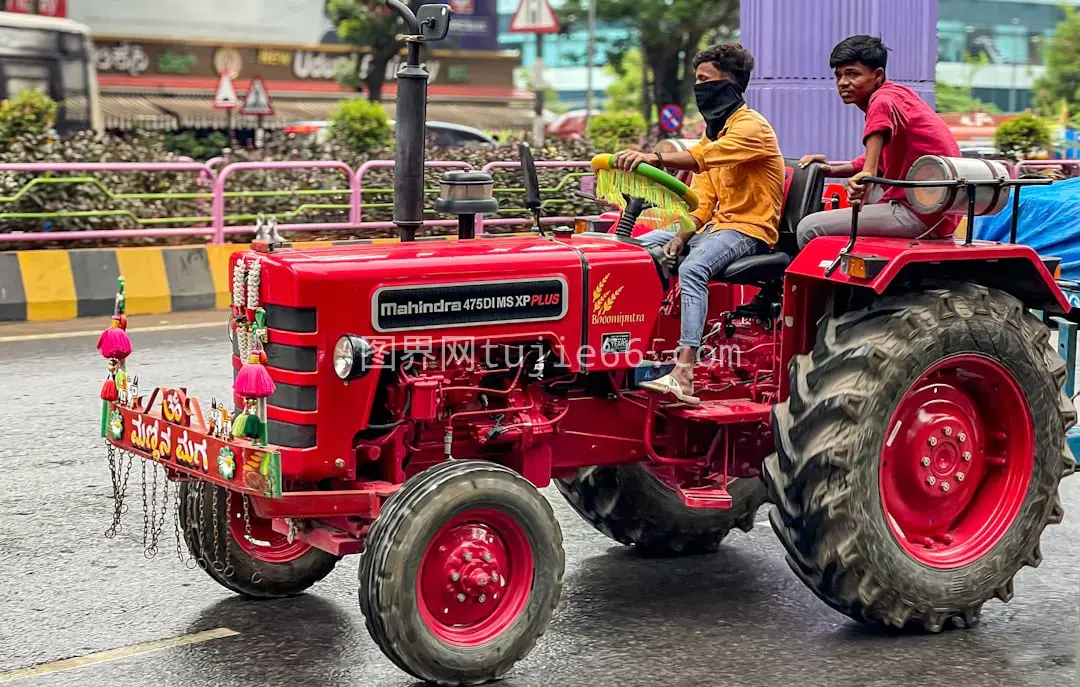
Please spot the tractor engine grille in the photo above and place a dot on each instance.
(294, 366)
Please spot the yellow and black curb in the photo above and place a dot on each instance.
(41, 285)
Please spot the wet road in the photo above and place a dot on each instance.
(739, 617)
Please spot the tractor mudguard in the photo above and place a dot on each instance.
(877, 264)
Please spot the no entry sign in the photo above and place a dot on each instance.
(671, 116)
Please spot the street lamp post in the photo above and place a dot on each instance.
(590, 60)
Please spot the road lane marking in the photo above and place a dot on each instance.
(114, 654)
(97, 332)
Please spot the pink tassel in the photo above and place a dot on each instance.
(253, 380)
(114, 341)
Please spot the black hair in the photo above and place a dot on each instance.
(865, 49)
(731, 58)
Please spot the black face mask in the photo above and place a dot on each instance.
(716, 101)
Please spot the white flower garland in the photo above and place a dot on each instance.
(245, 295)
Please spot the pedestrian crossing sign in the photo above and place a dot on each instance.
(257, 101)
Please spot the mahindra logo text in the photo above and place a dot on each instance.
(468, 304)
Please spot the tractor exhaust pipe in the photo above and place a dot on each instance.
(430, 24)
(411, 134)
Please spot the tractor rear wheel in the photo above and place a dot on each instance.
(245, 555)
(632, 506)
(919, 455)
(461, 573)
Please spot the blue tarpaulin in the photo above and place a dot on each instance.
(1049, 223)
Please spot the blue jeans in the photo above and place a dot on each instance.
(705, 255)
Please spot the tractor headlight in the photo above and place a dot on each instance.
(352, 357)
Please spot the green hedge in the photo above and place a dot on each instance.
(615, 131)
(119, 192)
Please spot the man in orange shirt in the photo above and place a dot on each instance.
(739, 181)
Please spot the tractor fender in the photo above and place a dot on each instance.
(1014, 268)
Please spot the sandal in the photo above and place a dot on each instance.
(668, 385)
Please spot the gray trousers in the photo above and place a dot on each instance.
(889, 220)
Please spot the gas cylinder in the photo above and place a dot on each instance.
(953, 200)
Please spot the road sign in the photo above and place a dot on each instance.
(225, 95)
(534, 16)
(671, 117)
(257, 101)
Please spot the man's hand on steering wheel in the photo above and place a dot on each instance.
(628, 160)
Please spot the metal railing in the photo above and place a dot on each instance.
(212, 205)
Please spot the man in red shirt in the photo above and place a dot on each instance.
(900, 128)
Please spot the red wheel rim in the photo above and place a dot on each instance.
(475, 577)
(957, 461)
(264, 544)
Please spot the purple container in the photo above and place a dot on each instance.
(793, 85)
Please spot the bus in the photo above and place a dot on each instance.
(56, 57)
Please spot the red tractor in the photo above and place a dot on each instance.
(894, 401)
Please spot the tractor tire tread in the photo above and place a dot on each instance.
(631, 507)
(832, 391)
(377, 580)
(278, 580)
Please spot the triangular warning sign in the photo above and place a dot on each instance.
(225, 96)
(257, 101)
(534, 16)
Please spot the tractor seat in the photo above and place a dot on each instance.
(803, 189)
(756, 268)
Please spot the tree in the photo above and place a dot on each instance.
(625, 93)
(1061, 82)
(669, 35)
(371, 25)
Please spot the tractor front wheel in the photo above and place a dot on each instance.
(629, 504)
(242, 552)
(919, 455)
(461, 573)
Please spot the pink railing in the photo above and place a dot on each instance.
(357, 198)
(209, 174)
(155, 232)
(544, 164)
(218, 210)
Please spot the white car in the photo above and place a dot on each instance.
(440, 134)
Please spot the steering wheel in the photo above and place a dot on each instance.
(645, 186)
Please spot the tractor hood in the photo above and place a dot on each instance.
(380, 286)
(519, 283)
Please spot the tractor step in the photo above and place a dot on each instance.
(706, 497)
(328, 539)
(724, 412)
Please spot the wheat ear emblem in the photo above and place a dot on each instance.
(610, 301)
(598, 293)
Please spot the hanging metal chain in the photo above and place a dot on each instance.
(228, 571)
(217, 535)
(188, 562)
(256, 578)
(247, 518)
(119, 477)
(157, 523)
(145, 509)
(200, 503)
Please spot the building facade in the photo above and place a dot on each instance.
(565, 66)
(1012, 35)
(159, 62)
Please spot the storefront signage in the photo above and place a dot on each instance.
(147, 58)
(125, 58)
(176, 62)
